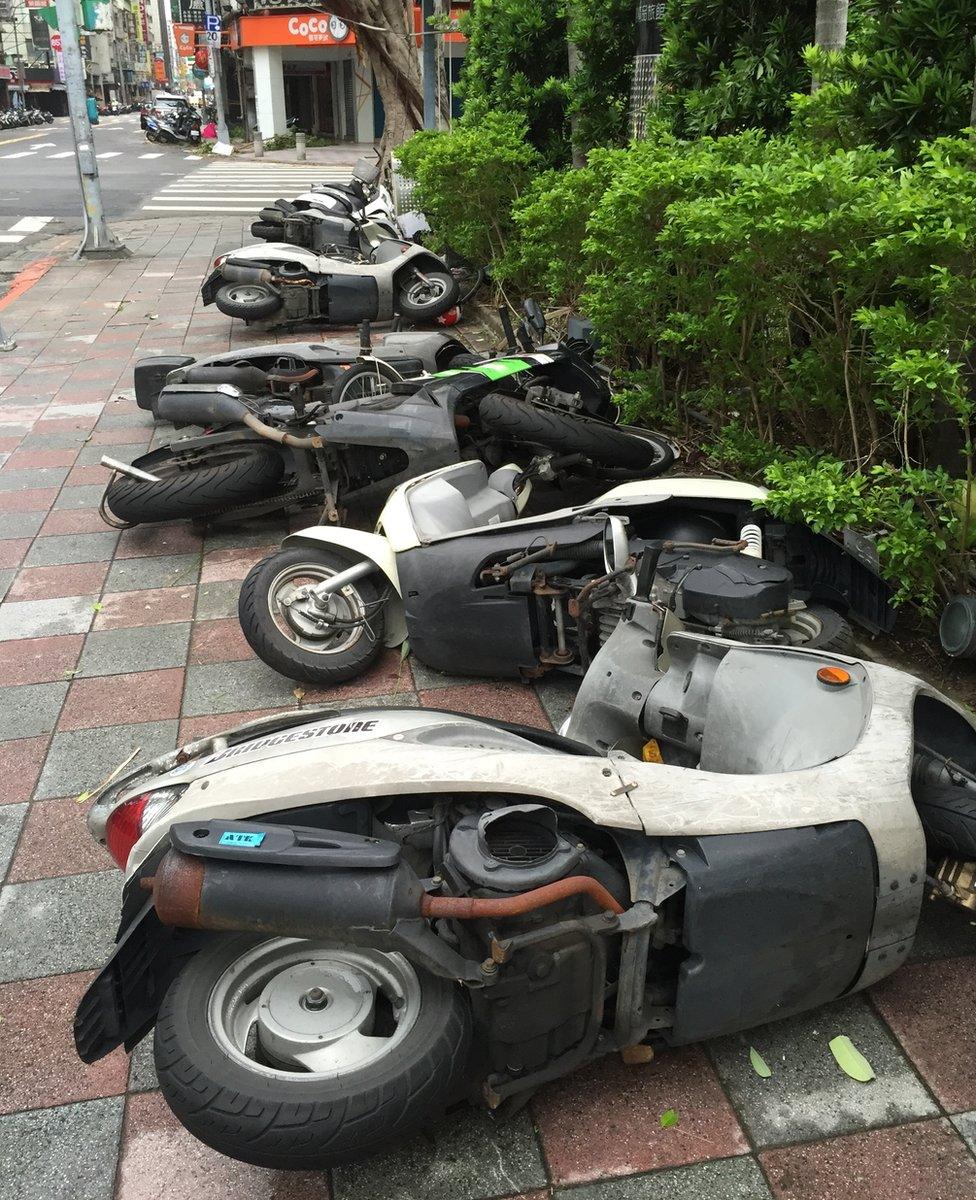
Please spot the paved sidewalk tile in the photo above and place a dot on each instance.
(79, 760)
(516, 702)
(110, 700)
(219, 641)
(931, 1009)
(468, 1156)
(39, 1066)
(150, 606)
(159, 1158)
(31, 709)
(49, 583)
(808, 1096)
(925, 1161)
(39, 660)
(46, 618)
(62, 549)
(117, 651)
(216, 600)
(232, 686)
(606, 1120)
(722, 1179)
(20, 764)
(72, 922)
(12, 551)
(64, 1153)
(55, 841)
(233, 563)
(147, 540)
(161, 571)
(11, 819)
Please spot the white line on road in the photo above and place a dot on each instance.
(174, 208)
(30, 224)
(19, 154)
(10, 238)
(150, 156)
(44, 145)
(63, 154)
(109, 154)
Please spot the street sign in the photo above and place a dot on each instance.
(58, 54)
(213, 38)
(211, 23)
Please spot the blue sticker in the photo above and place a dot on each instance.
(233, 838)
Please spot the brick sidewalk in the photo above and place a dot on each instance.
(113, 641)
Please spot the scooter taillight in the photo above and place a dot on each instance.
(219, 261)
(127, 823)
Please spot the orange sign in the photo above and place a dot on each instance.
(294, 29)
(186, 40)
(159, 70)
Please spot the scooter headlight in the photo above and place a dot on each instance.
(129, 821)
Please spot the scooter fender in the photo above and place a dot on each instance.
(276, 252)
(369, 546)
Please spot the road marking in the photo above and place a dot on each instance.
(19, 154)
(44, 145)
(24, 137)
(150, 156)
(63, 154)
(30, 224)
(10, 238)
(107, 154)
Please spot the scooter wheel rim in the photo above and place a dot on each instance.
(422, 293)
(246, 294)
(296, 622)
(295, 1009)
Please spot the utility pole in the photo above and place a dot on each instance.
(98, 240)
(216, 72)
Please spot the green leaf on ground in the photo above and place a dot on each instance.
(404, 650)
(669, 1118)
(850, 1060)
(759, 1063)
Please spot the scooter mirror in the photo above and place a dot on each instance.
(535, 317)
(616, 545)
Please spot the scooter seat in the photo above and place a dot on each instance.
(460, 498)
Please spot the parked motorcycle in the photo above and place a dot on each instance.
(267, 371)
(175, 125)
(362, 198)
(463, 908)
(263, 456)
(473, 590)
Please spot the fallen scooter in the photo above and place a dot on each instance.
(294, 284)
(340, 922)
(271, 369)
(271, 454)
(452, 572)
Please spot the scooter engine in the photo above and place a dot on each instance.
(547, 1003)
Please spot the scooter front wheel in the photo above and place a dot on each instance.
(248, 301)
(299, 1054)
(324, 645)
(427, 295)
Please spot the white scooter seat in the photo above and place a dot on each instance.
(466, 497)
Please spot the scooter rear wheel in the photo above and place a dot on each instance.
(248, 301)
(197, 488)
(292, 1086)
(294, 638)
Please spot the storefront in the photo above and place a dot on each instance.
(297, 63)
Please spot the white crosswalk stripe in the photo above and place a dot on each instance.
(62, 154)
(19, 154)
(109, 154)
(242, 188)
(20, 229)
(157, 155)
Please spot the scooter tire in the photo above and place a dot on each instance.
(273, 216)
(263, 302)
(948, 816)
(446, 299)
(268, 231)
(305, 1122)
(519, 421)
(282, 653)
(253, 474)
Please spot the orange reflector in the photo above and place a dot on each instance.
(834, 676)
(652, 752)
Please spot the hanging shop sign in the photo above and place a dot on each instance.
(298, 29)
(58, 54)
(185, 37)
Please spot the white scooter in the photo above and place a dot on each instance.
(475, 590)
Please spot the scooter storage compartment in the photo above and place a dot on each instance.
(351, 298)
(775, 923)
(149, 377)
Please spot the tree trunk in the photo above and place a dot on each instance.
(385, 38)
(972, 109)
(831, 28)
(573, 57)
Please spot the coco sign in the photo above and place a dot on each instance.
(297, 29)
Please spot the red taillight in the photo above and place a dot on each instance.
(124, 827)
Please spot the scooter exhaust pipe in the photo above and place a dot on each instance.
(191, 892)
(234, 273)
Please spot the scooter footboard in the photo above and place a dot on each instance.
(774, 923)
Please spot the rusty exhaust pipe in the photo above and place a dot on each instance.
(191, 892)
